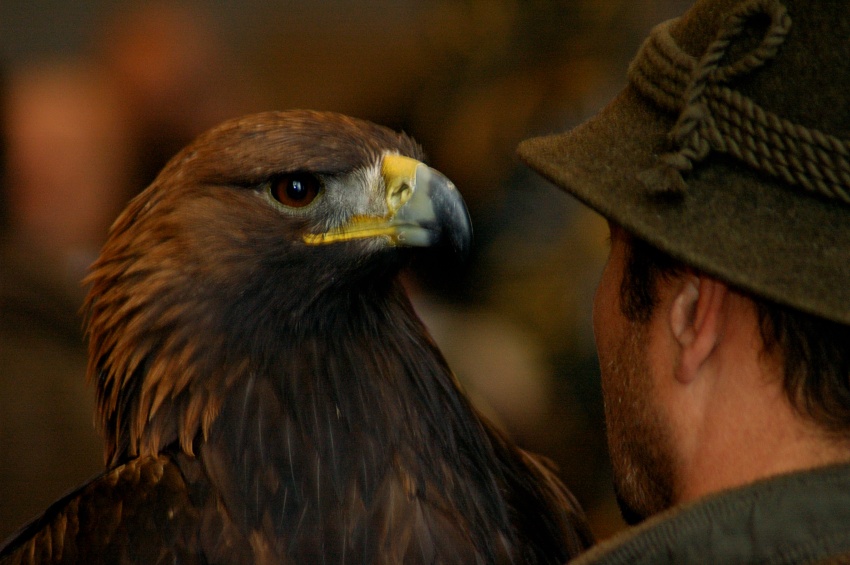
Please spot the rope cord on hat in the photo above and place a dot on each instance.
(712, 116)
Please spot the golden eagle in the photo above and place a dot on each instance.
(266, 391)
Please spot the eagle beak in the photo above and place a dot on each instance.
(424, 209)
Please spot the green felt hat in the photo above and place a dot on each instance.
(730, 148)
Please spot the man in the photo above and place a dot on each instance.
(722, 319)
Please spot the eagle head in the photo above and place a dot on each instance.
(266, 227)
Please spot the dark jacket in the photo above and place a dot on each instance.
(795, 518)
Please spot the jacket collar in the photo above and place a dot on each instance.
(789, 518)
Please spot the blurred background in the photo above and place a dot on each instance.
(96, 95)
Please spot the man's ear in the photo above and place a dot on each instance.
(695, 321)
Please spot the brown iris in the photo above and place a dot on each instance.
(295, 190)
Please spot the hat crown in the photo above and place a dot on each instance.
(718, 95)
(808, 78)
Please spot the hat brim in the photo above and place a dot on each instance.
(742, 226)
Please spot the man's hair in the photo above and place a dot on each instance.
(815, 352)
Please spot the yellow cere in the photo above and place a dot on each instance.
(400, 179)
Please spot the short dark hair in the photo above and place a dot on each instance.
(815, 352)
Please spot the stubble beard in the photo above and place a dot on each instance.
(639, 438)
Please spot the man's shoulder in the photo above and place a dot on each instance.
(800, 517)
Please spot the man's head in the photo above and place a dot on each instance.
(814, 352)
(724, 170)
(641, 293)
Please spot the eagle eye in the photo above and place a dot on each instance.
(295, 190)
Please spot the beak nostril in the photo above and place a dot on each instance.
(398, 194)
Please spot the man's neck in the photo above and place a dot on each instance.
(750, 437)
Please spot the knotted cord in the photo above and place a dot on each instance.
(712, 116)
